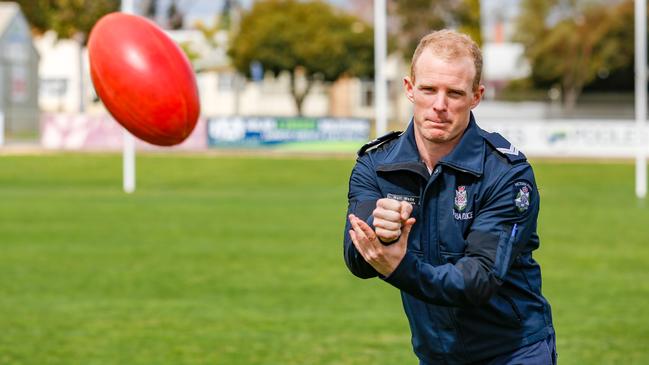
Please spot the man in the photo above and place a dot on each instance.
(446, 212)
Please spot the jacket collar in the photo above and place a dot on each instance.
(467, 156)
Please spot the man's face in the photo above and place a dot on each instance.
(443, 96)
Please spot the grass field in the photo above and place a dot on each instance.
(224, 260)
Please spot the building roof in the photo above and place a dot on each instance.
(8, 11)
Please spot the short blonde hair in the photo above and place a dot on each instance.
(450, 45)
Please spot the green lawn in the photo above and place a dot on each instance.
(224, 260)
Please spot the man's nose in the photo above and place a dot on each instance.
(440, 102)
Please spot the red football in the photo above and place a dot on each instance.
(143, 78)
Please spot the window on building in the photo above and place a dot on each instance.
(54, 87)
(226, 81)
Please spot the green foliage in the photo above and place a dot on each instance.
(468, 18)
(66, 17)
(463, 15)
(522, 90)
(222, 22)
(308, 39)
(238, 261)
(189, 51)
(210, 31)
(587, 39)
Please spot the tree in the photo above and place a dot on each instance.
(150, 8)
(175, 16)
(468, 18)
(622, 78)
(306, 39)
(585, 40)
(463, 15)
(68, 18)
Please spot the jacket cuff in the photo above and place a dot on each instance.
(370, 222)
(401, 277)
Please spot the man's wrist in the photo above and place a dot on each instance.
(387, 243)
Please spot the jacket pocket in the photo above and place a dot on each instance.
(499, 312)
(508, 308)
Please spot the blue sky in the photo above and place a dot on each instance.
(206, 10)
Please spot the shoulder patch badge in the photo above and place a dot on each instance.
(522, 191)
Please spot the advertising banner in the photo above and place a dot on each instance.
(535, 138)
(298, 133)
(570, 138)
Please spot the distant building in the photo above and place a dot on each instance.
(223, 92)
(18, 73)
(504, 59)
(61, 83)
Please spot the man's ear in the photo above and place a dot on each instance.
(409, 88)
(477, 96)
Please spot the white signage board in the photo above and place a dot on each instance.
(569, 138)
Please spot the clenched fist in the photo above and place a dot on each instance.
(389, 217)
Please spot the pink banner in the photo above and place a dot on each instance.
(102, 132)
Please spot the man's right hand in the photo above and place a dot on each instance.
(389, 217)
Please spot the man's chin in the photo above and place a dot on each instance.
(437, 137)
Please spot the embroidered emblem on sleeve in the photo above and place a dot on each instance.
(522, 192)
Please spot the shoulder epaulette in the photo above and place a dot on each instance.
(376, 142)
(500, 144)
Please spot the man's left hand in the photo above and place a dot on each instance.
(384, 259)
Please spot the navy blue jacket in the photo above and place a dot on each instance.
(470, 287)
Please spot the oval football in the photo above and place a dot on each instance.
(143, 78)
